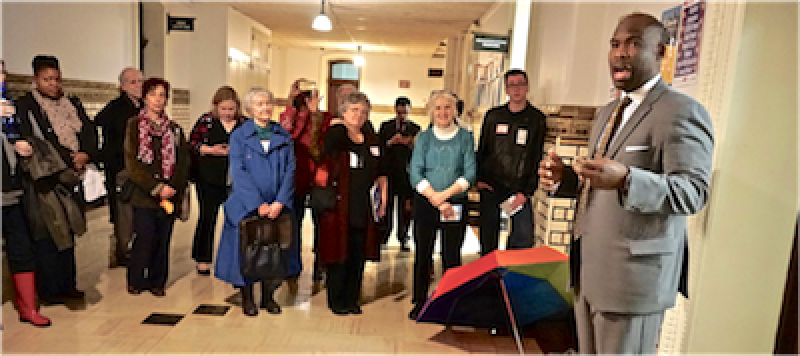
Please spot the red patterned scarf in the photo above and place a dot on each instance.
(161, 127)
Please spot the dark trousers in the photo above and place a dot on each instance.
(426, 222)
(344, 278)
(19, 246)
(400, 192)
(56, 273)
(295, 259)
(111, 189)
(210, 197)
(521, 223)
(149, 263)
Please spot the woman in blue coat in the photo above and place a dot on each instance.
(262, 167)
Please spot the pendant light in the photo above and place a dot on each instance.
(358, 59)
(322, 22)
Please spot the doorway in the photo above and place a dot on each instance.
(341, 72)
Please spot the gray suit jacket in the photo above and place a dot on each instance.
(632, 249)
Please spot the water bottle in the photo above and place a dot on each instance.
(10, 122)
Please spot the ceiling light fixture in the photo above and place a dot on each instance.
(322, 22)
(358, 60)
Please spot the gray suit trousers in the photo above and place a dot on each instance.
(615, 333)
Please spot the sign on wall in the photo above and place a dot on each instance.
(490, 43)
(435, 73)
(691, 34)
(404, 84)
(184, 24)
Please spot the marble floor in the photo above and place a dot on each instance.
(110, 320)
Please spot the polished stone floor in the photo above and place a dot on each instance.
(110, 320)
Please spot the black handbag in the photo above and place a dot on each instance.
(262, 243)
(322, 199)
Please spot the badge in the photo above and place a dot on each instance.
(501, 129)
(353, 160)
(265, 144)
(522, 136)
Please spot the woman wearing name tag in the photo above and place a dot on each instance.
(442, 169)
(349, 234)
(262, 168)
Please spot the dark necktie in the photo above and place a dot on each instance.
(602, 147)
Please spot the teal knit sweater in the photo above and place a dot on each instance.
(442, 162)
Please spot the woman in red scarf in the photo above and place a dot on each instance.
(157, 162)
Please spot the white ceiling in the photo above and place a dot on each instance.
(412, 28)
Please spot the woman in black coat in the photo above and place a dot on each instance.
(64, 124)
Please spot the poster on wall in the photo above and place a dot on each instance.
(672, 21)
(691, 34)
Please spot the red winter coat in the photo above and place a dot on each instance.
(334, 225)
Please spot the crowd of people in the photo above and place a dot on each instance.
(628, 255)
(239, 157)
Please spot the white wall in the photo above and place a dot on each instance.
(751, 216)
(93, 41)
(198, 60)
(209, 56)
(568, 49)
(379, 77)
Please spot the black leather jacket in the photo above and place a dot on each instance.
(510, 148)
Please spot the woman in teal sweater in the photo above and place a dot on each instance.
(442, 169)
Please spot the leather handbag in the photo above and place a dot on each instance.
(322, 199)
(262, 243)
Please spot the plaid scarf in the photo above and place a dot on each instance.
(147, 129)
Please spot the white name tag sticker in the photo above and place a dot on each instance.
(353, 160)
(637, 148)
(265, 144)
(375, 150)
(501, 129)
(522, 136)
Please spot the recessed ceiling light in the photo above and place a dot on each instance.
(361, 28)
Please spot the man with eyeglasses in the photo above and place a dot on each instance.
(509, 151)
(113, 120)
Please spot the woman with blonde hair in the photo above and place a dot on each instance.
(209, 141)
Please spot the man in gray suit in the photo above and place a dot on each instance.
(648, 168)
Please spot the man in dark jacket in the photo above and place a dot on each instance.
(113, 120)
(398, 136)
(509, 151)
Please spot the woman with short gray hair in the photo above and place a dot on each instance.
(349, 234)
(262, 167)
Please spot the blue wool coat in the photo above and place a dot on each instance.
(258, 177)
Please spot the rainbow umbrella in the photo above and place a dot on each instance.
(504, 288)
